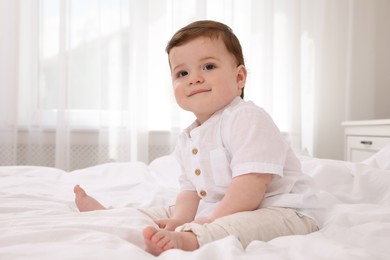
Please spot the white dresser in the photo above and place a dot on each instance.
(364, 138)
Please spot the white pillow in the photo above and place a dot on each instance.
(166, 171)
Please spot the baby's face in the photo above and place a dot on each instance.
(205, 76)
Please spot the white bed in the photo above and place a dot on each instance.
(39, 220)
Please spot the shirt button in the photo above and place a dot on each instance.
(203, 193)
(198, 172)
(194, 151)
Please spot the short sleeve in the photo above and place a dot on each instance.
(255, 142)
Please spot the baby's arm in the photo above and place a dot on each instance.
(185, 210)
(244, 193)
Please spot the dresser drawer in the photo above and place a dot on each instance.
(368, 142)
(361, 147)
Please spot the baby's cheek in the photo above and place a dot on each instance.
(179, 94)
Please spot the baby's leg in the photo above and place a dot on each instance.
(85, 202)
(160, 240)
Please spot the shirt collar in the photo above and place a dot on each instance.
(196, 125)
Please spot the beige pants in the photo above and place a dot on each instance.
(263, 224)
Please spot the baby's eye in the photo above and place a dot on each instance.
(209, 67)
(182, 73)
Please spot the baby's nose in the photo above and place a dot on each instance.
(196, 78)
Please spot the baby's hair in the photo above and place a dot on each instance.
(212, 30)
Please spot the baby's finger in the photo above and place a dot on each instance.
(161, 223)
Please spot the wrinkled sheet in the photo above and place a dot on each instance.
(39, 220)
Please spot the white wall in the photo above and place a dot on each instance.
(370, 62)
(355, 83)
(362, 84)
(382, 68)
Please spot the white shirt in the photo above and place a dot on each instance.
(240, 139)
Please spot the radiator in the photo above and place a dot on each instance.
(85, 149)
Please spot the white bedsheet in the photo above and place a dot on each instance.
(39, 220)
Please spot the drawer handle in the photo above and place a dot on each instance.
(366, 142)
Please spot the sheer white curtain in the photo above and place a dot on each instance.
(82, 74)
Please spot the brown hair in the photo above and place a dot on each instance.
(212, 30)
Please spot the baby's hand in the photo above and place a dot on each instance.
(168, 224)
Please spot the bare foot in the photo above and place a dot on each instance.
(160, 240)
(85, 202)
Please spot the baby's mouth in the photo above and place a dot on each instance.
(198, 91)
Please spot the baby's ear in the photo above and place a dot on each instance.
(241, 76)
